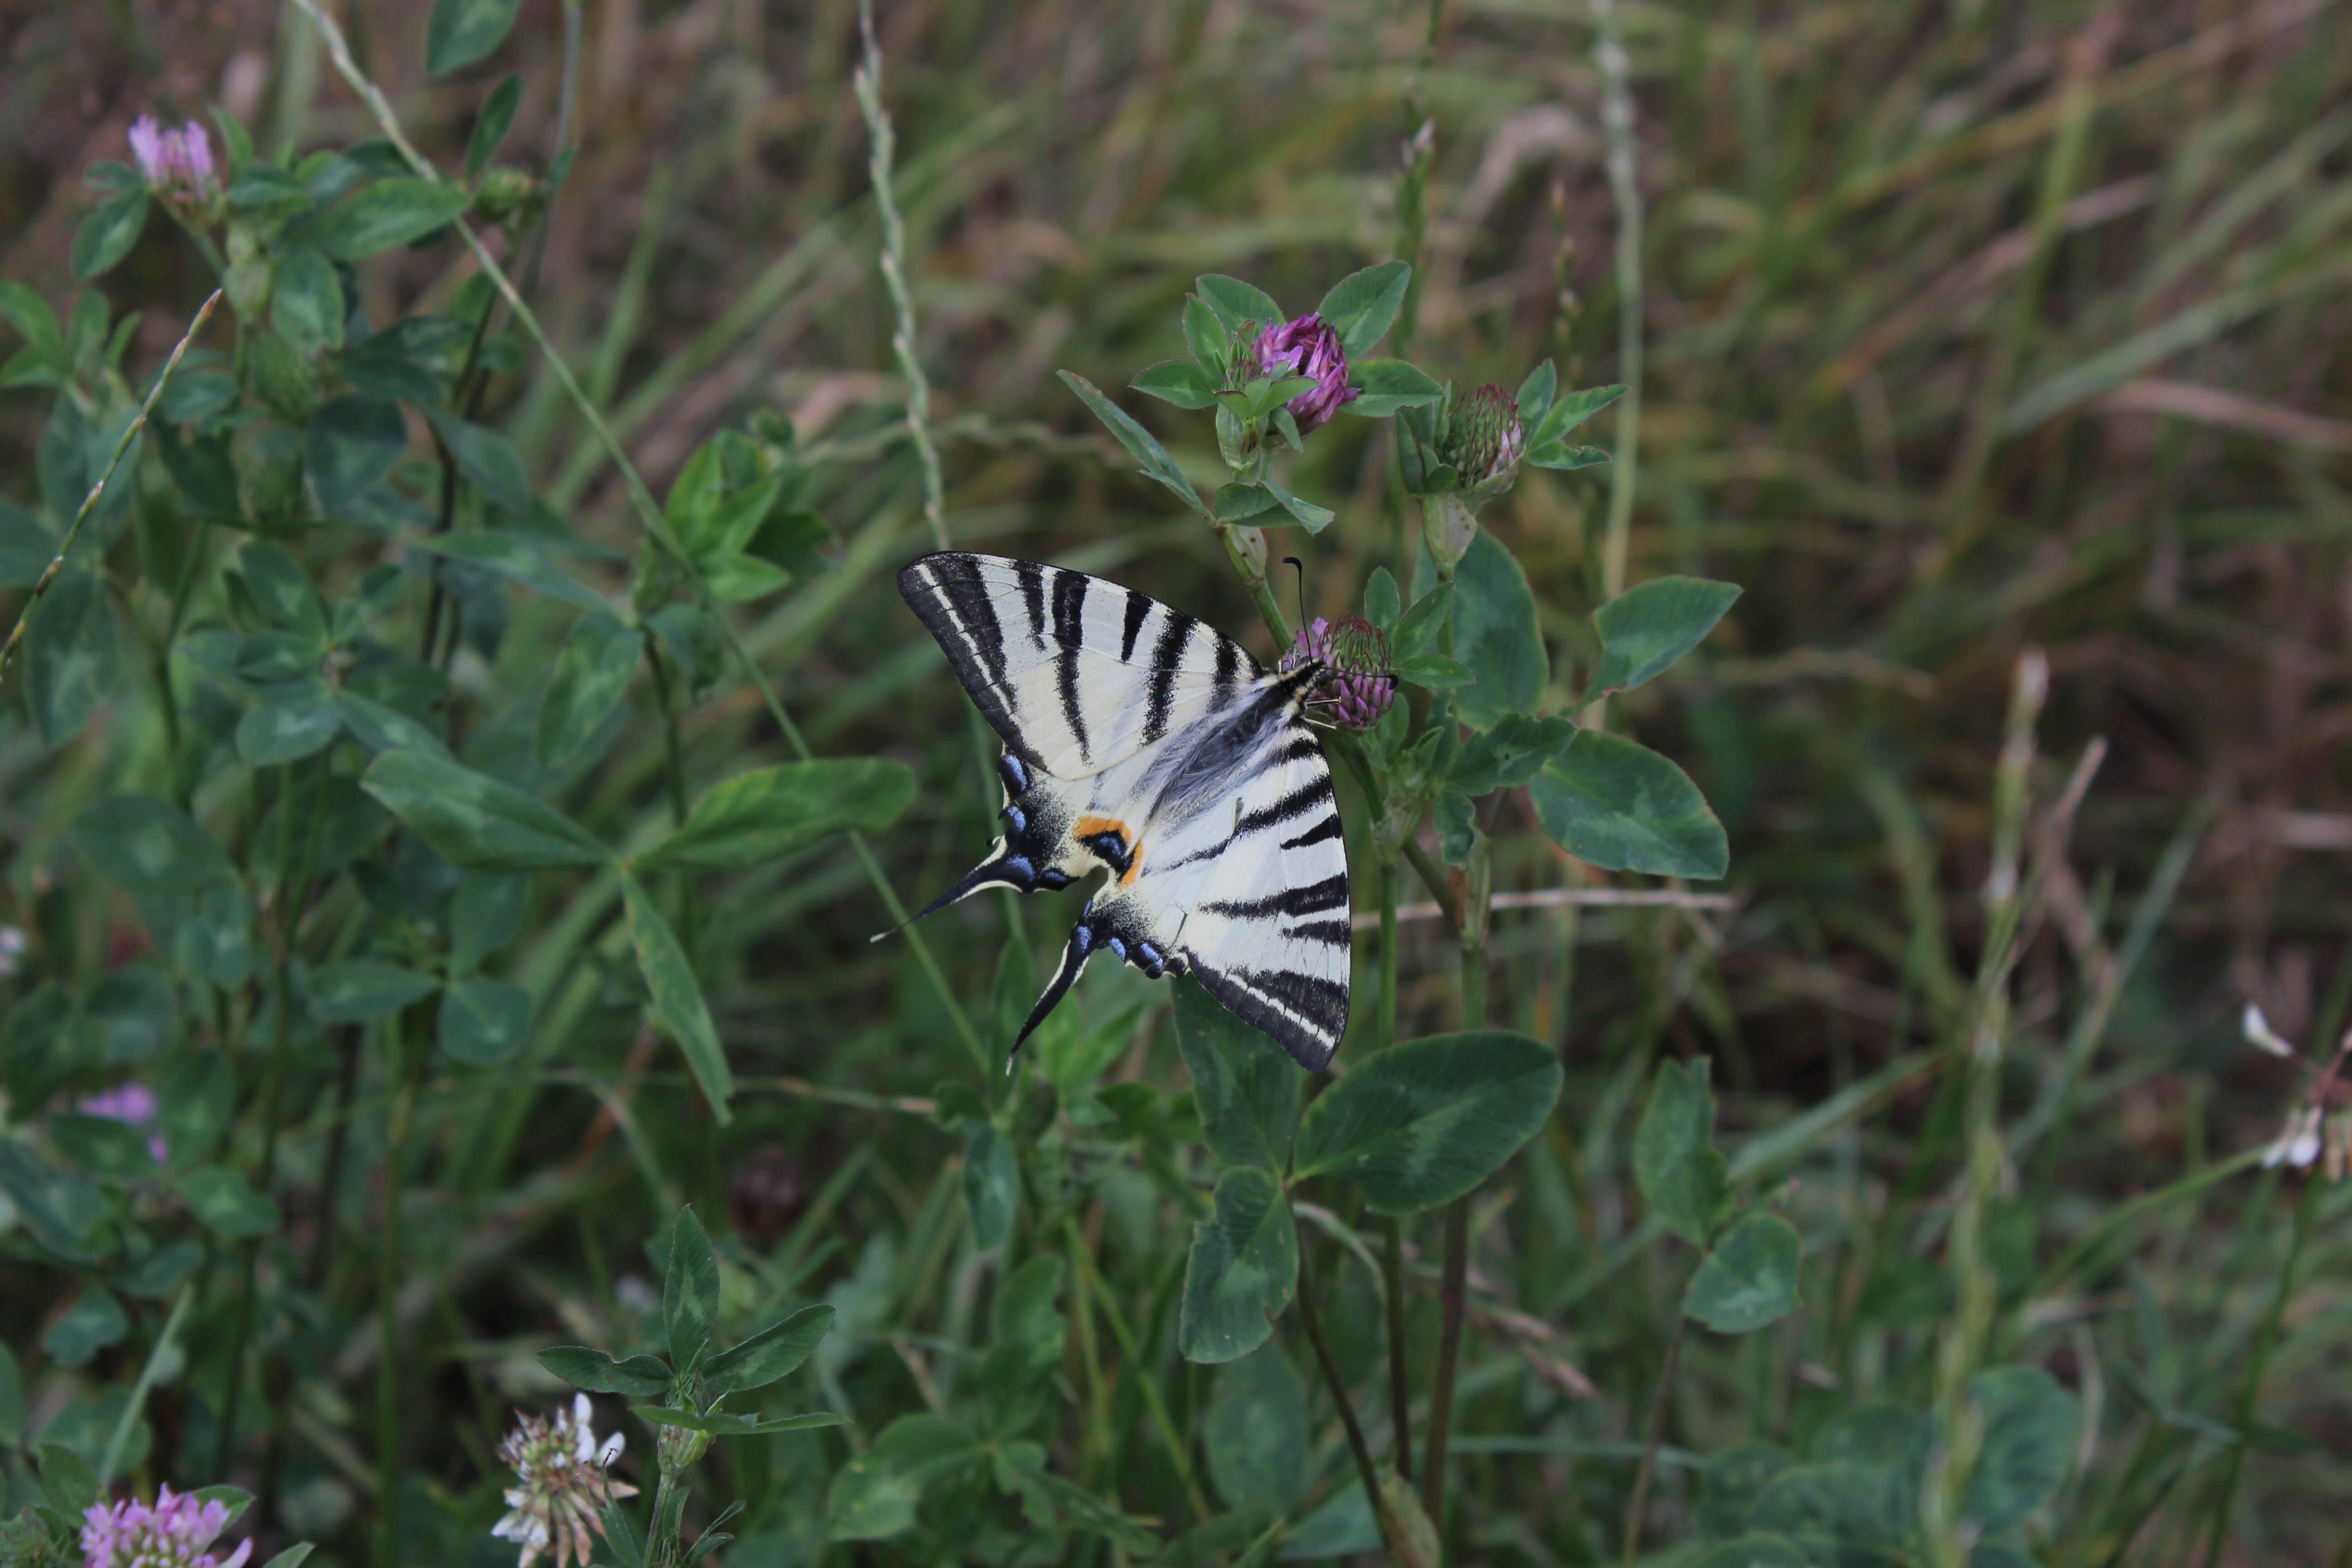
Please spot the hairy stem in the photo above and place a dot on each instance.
(1313, 1321)
(1452, 1295)
(1660, 1403)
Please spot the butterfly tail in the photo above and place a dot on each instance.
(1081, 947)
(1001, 869)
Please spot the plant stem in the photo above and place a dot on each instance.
(1452, 1292)
(2250, 1395)
(1391, 1228)
(1624, 187)
(146, 1382)
(1659, 1402)
(400, 1112)
(883, 140)
(90, 502)
(1145, 1383)
(1313, 1322)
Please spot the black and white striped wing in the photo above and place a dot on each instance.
(1252, 899)
(1075, 673)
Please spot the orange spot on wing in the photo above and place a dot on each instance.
(1085, 827)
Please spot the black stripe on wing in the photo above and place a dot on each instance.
(949, 594)
(1313, 898)
(1303, 1014)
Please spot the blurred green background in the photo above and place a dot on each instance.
(1967, 329)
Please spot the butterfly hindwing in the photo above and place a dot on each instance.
(1140, 740)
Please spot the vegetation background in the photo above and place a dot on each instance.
(1965, 329)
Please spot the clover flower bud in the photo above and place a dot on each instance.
(1484, 442)
(1356, 686)
(1310, 348)
(172, 1533)
(565, 1487)
(176, 165)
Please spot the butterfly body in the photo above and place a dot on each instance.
(1140, 743)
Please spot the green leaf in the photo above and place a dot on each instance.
(1238, 502)
(66, 1479)
(1381, 599)
(1433, 671)
(1140, 443)
(991, 1185)
(1509, 754)
(362, 990)
(350, 446)
(1684, 1181)
(1618, 805)
(1244, 1085)
(293, 1556)
(306, 302)
(1360, 306)
(1256, 1435)
(774, 1351)
(774, 811)
(689, 1290)
(722, 1424)
(1495, 633)
(1384, 385)
(102, 1146)
(224, 1202)
(72, 654)
(1647, 627)
(1535, 393)
(483, 1022)
(381, 728)
(2030, 1429)
(1755, 1552)
(1025, 1348)
(490, 125)
(288, 728)
(678, 1003)
(1306, 513)
(1567, 413)
(463, 31)
(1241, 1268)
(1422, 1123)
(1177, 380)
(1233, 301)
(107, 235)
(874, 1495)
(1206, 336)
(484, 457)
(381, 215)
(148, 846)
(1748, 1279)
(26, 548)
(475, 821)
(1839, 1512)
(642, 1376)
(1731, 1482)
(484, 916)
(1559, 455)
(194, 1104)
(36, 323)
(591, 678)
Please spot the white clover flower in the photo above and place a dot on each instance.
(565, 1486)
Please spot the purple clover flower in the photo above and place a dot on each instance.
(1308, 347)
(176, 165)
(174, 1532)
(132, 1103)
(1357, 688)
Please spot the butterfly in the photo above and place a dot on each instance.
(1141, 743)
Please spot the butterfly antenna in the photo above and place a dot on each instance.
(1300, 567)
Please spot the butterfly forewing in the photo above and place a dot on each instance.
(1140, 740)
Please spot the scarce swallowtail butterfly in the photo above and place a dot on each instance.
(1141, 743)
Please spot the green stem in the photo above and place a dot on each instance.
(1391, 1228)
(1147, 1385)
(140, 1389)
(1659, 1404)
(90, 502)
(1313, 1322)
(400, 1112)
(1617, 124)
(2250, 1395)
(1453, 1293)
